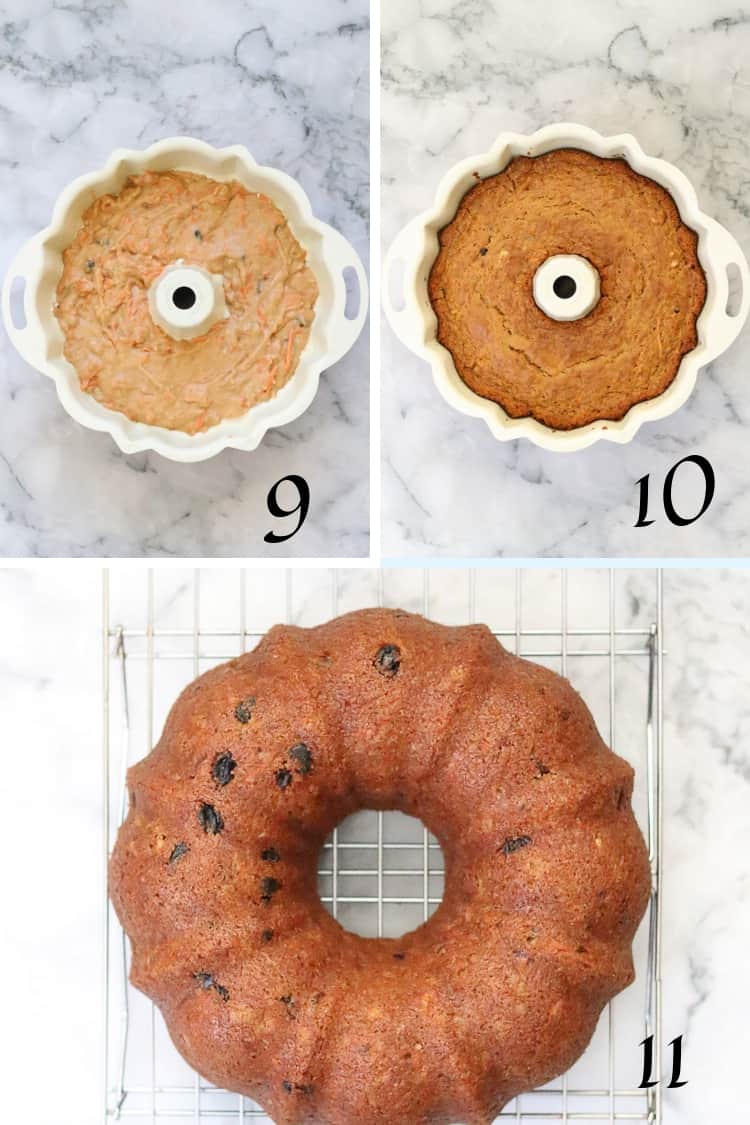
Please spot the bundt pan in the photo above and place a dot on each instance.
(39, 264)
(416, 248)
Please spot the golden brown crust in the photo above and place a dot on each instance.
(627, 349)
(546, 873)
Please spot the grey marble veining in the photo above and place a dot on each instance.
(288, 80)
(455, 74)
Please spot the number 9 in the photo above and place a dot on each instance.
(275, 508)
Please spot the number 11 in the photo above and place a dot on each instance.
(648, 1063)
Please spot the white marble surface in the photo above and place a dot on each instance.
(50, 833)
(51, 854)
(290, 81)
(707, 837)
(455, 74)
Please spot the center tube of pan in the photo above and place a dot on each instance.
(566, 287)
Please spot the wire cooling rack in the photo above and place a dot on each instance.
(381, 873)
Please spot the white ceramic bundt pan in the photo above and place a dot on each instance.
(417, 246)
(39, 263)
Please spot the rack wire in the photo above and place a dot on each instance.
(381, 872)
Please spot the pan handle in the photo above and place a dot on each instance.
(724, 251)
(28, 341)
(406, 248)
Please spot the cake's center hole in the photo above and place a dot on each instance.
(381, 874)
(564, 286)
(183, 297)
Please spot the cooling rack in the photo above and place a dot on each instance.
(381, 873)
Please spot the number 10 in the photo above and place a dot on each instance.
(674, 517)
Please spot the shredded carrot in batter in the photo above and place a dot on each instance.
(123, 244)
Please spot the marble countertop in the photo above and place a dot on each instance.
(455, 74)
(50, 674)
(77, 81)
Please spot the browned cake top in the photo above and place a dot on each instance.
(627, 349)
(214, 873)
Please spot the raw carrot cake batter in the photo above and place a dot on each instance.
(124, 243)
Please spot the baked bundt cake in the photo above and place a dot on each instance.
(214, 873)
(627, 349)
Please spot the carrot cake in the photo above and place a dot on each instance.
(567, 373)
(214, 874)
